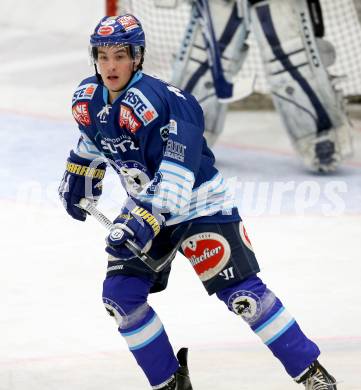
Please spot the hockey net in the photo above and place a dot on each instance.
(165, 21)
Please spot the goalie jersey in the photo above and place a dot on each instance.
(152, 135)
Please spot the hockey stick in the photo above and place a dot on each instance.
(226, 91)
(224, 88)
(155, 265)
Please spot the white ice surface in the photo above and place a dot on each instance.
(54, 331)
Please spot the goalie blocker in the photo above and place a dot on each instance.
(296, 58)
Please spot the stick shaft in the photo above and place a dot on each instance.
(88, 206)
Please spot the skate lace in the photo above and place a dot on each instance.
(317, 382)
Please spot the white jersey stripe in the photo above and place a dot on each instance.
(174, 167)
(86, 148)
(166, 172)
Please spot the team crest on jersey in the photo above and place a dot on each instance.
(246, 304)
(128, 22)
(133, 175)
(208, 253)
(141, 106)
(81, 113)
(127, 119)
(85, 91)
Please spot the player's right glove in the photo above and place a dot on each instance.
(82, 179)
(137, 223)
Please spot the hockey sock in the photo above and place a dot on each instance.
(268, 318)
(149, 343)
(125, 298)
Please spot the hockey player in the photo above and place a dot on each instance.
(151, 133)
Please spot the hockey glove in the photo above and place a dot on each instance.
(82, 179)
(135, 223)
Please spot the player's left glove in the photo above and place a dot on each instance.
(136, 223)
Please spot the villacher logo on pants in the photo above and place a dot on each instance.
(207, 252)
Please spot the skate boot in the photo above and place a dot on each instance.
(180, 380)
(317, 378)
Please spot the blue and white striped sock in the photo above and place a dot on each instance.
(149, 343)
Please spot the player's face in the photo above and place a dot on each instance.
(116, 67)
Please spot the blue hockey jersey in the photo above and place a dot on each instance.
(152, 135)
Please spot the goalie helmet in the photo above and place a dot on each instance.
(118, 30)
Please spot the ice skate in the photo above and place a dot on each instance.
(317, 378)
(181, 380)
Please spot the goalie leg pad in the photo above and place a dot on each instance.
(269, 319)
(197, 72)
(303, 91)
(125, 298)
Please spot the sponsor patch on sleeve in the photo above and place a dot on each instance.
(85, 91)
(170, 128)
(141, 106)
(81, 113)
(175, 150)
